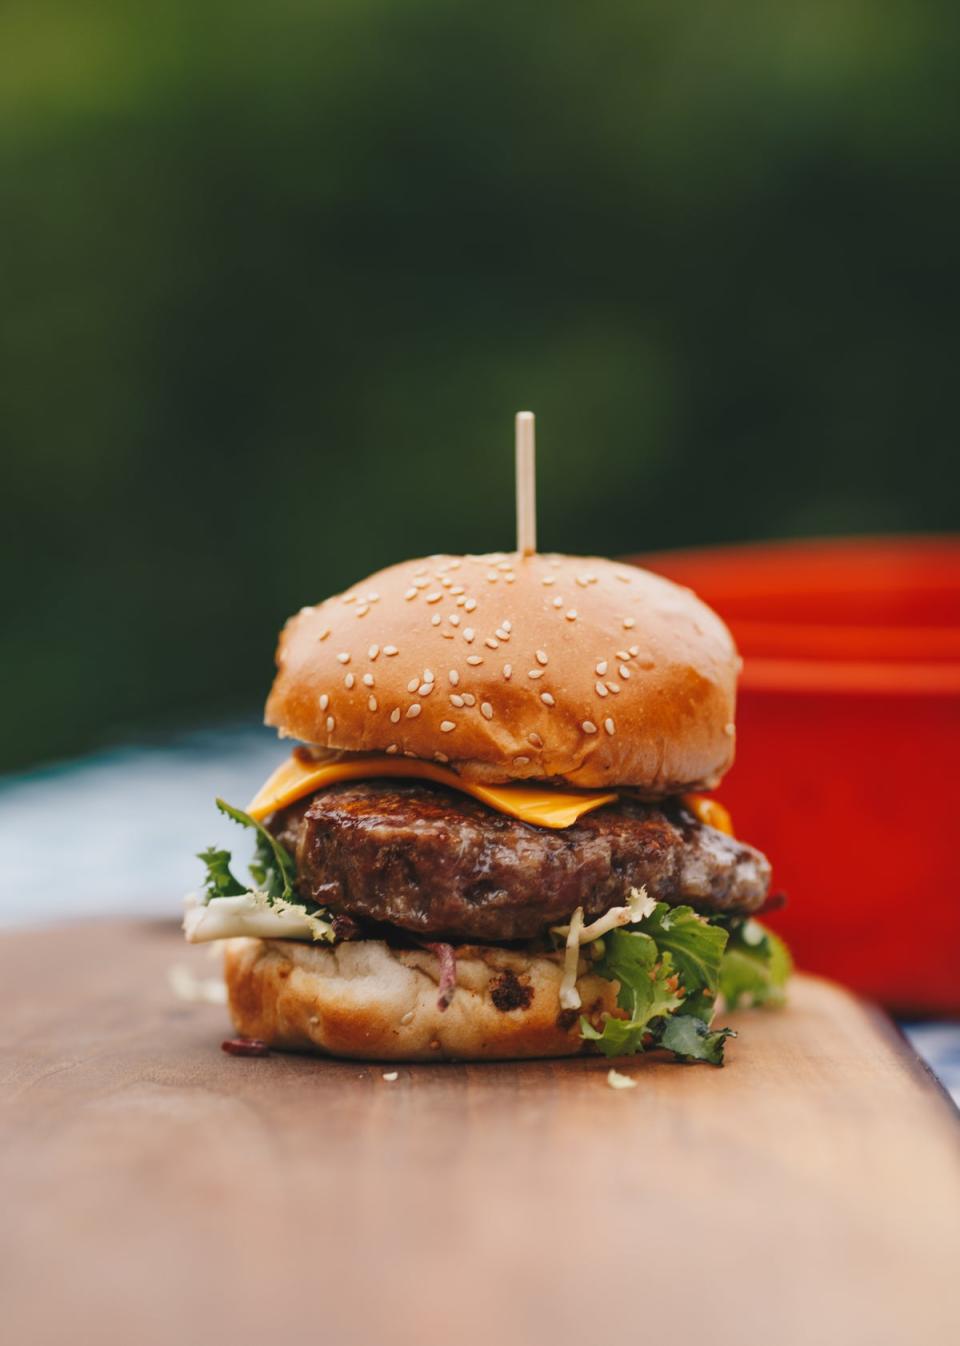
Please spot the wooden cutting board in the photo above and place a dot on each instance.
(156, 1190)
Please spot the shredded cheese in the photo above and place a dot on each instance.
(576, 934)
(569, 995)
(254, 914)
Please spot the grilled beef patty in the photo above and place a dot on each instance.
(436, 862)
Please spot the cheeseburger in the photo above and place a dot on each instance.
(491, 839)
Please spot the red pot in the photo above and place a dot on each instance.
(848, 735)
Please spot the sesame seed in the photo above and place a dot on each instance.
(469, 605)
(469, 634)
(436, 619)
(549, 579)
(510, 578)
(505, 565)
(457, 589)
(372, 703)
(348, 681)
(363, 609)
(390, 649)
(613, 687)
(507, 626)
(373, 651)
(454, 619)
(324, 701)
(634, 650)
(453, 677)
(421, 583)
(435, 596)
(330, 724)
(629, 622)
(501, 634)
(486, 710)
(623, 654)
(547, 699)
(624, 579)
(557, 602)
(447, 635)
(601, 668)
(343, 657)
(588, 727)
(609, 725)
(368, 680)
(348, 598)
(542, 657)
(508, 671)
(571, 614)
(411, 593)
(491, 644)
(391, 748)
(425, 688)
(445, 580)
(730, 730)
(535, 673)
(324, 633)
(535, 739)
(521, 761)
(457, 700)
(395, 715)
(373, 597)
(414, 710)
(583, 581)
(624, 671)
(599, 688)
(469, 699)
(413, 684)
(460, 602)
(447, 726)
(474, 659)
(428, 675)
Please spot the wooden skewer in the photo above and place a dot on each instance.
(526, 484)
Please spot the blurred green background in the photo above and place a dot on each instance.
(276, 278)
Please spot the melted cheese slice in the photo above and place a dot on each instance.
(710, 812)
(530, 803)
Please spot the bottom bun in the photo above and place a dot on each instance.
(366, 1000)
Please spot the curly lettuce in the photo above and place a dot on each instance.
(671, 967)
(271, 908)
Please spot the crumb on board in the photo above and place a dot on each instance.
(618, 1081)
(391, 1075)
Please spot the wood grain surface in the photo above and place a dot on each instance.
(156, 1190)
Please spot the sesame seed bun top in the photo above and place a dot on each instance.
(510, 667)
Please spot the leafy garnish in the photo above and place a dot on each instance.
(273, 868)
(693, 1040)
(220, 881)
(756, 966)
(649, 988)
(696, 947)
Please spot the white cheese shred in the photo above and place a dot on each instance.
(569, 995)
(576, 934)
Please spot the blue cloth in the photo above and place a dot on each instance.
(117, 834)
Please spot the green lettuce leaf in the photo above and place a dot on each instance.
(696, 948)
(648, 990)
(693, 1040)
(273, 868)
(219, 881)
(756, 966)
